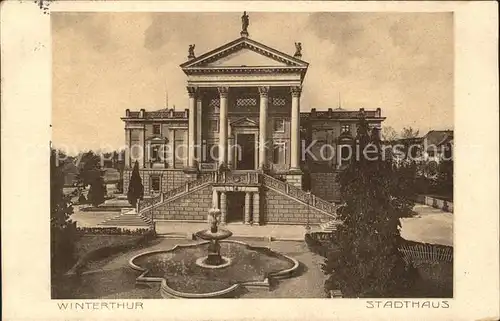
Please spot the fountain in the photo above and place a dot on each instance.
(198, 270)
(213, 260)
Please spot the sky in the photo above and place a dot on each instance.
(104, 63)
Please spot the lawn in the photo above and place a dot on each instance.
(89, 243)
(88, 250)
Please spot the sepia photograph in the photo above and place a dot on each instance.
(325, 160)
(252, 155)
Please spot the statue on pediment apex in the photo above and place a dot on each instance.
(245, 22)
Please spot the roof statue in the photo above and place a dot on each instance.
(191, 52)
(298, 50)
(245, 22)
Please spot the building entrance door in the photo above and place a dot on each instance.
(245, 151)
(235, 207)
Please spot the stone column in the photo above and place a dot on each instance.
(191, 127)
(256, 208)
(215, 198)
(199, 121)
(230, 147)
(264, 91)
(223, 92)
(147, 155)
(143, 147)
(295, 129)
(247, 207)
(127, 150)
(223, 207)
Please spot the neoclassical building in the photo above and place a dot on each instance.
(244, 143)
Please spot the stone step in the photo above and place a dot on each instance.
(129, 218)
(330, 226)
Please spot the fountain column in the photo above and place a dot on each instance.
(256, 208)
(215, 198)
(247, 207)
(223, 207)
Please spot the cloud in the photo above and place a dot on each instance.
(104, 63)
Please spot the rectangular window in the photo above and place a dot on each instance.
(135, 145)
(155, 183)
(319, 148)
(214, 125)
(345, 155)
(279, 153)
(346, 128)
(157, 129)
(155, 155)
(212, 153)
(180, 148)
(279, 125)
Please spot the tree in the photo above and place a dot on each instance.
(62, 229)
(375, 196)
(389, 134)
(90, 168)
(409, 132)
(119, 164)
(97, 191)
(135, 187)
(91, 174)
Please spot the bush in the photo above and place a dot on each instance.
(62, 229)
(97, 192)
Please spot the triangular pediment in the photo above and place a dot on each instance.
(244, 122)
(156, 139)
(245, 57)
(244, 52)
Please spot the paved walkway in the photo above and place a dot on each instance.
(429, 226)
(276, 232)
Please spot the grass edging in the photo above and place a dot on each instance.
(106, 251)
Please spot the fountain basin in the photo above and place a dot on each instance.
(221, 234)
(180, 276)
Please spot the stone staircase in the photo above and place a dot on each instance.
(311, 200)
(256, 179)
(128, 219)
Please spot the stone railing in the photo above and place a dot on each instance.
(184, 188)
(236, 178)
(310, 199)
(274, 183)
(324, 205)
(173, 192)
(242, 178)
(142, 204)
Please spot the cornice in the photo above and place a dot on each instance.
(243, 43)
